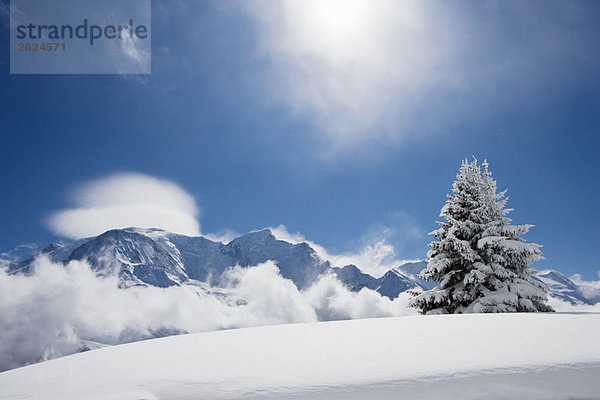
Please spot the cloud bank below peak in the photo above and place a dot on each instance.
(123, 200)
(70, 302)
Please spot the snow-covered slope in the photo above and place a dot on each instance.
(505, 356)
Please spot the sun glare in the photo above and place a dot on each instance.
(339, 17)
(337, 29)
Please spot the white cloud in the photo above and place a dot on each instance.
(48, 314)
(130, 46)
(268, 297)
(52, 312)
(127, 199)
(281, 233)
(375, 256)
(590, 289)
(564, 306)
(578, 279)
(19, 253)
(372, 72)
(224, 236)
(332, 301)
(345, 62)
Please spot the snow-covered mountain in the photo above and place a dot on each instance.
(565, 289)
(159, 258)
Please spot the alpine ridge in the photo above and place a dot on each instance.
(159, 258)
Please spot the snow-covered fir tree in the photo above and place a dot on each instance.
(478, 257)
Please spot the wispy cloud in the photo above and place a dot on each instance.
(375, 72)
(131, 48)
(373, 253)
(124, 200)
(224, 236)
(590, 289)
(19, 253)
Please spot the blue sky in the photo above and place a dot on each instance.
(345, 122)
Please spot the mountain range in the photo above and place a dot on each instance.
(159, 258)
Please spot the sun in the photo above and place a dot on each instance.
(337, 29)
(339, 17)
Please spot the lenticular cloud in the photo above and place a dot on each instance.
(124, 200)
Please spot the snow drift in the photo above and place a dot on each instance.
(477, 356)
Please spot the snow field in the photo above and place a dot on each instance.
(537, 356)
